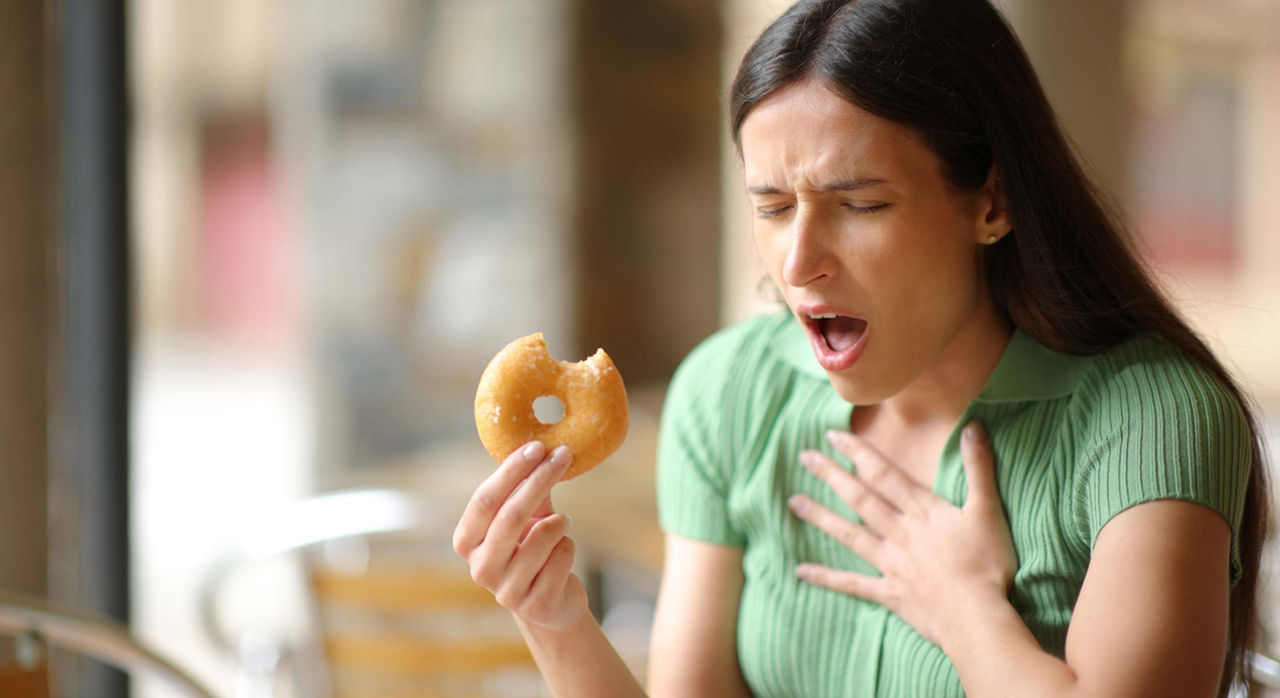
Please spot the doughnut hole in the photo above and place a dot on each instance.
(590, 393)
(548, 409)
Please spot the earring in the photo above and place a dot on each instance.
(991, 239)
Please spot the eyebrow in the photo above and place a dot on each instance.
(842, 185)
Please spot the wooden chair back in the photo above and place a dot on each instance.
(409, 624)
(19, 682)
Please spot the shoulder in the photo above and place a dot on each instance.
(1141, 355)
(725, 391)
(706, 416)
(748, 340)
(1155, 423)
(731, 355)
(1149, 383)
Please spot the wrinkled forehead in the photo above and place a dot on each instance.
(806, 133)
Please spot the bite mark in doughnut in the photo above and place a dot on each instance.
(591, 392)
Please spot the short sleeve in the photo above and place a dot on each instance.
(693, 463)
(1159, 426)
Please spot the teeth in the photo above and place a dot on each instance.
(823, 316)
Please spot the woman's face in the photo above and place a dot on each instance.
(874, 254)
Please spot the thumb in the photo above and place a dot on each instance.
(979, 466)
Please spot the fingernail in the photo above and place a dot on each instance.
(842, 439)
(534, 450)
(971, 431)
(806, 459)
(568, 519)
(560, 456)
(797, 503)
(804, 571)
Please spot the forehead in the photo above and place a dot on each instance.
(806, 134)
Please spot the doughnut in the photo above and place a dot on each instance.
(591, 392)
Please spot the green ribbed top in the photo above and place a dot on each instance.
(1076, 440)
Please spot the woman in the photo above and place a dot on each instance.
(946, 267)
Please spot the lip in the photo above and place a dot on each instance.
(832, 361)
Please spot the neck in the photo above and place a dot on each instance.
(941, 394)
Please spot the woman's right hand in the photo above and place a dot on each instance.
(517, 545)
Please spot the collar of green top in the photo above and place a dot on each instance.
(1028, 370)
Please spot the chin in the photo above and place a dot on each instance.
(857, 392)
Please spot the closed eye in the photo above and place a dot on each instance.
(771, 212)
(865, 209)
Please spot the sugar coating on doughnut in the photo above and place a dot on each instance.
(591, 391)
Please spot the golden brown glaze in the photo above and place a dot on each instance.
(591, 391)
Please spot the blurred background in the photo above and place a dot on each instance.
(256, 252)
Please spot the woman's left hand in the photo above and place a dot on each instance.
(932, 554)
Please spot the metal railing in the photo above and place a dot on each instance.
(100, 638)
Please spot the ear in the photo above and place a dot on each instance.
(993, 210)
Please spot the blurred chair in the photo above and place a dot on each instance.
(29, 677)
(394, 612)
(38, 628)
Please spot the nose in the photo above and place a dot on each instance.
(809, 258)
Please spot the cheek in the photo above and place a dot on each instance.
(771, 245)
(936, 246)
(929, 272)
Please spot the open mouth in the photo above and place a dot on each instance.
(838, 340)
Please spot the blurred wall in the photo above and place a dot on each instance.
(647, 219)
(741, 272)
(1210, 75)
(25, 305)
(1077, 49)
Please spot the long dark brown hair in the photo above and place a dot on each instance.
(1069, 276)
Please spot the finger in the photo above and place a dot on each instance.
(851, 583)
(881, 474)
(530, 558)
(510, 521)
(549, 585)
(979, 466)
(544, 508)
(876, 511)
(540, 512)
(855, 537)
(491, 493)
